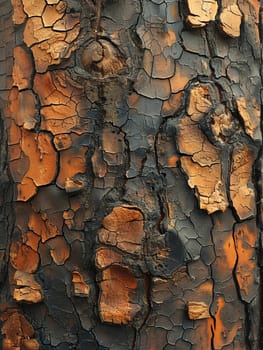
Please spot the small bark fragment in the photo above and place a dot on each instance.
(198, 310)
(62, 141)
(80, 287)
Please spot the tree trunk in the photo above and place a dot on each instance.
(130, 174)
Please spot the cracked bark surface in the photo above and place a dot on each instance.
(130, 180)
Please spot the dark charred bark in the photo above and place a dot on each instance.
(130, 183)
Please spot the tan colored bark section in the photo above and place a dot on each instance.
(250, 114)
(230, 20)
(201, 12)
(203, 167)
(241, 188)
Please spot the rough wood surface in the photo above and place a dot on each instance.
(130, 186)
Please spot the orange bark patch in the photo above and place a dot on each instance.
(22, 68)
(203, 334)
(14, 133)
(50, 45)
(72, 164)
(42, 163)
(51, 15)
(223, 335)
(17, 331)
(19, 15)
(40, 225)
(59, 100)
(59, 250)
(106, 257)
(241, 189)
(26, 189)
(32, 240)
(23, 108)
(18, 168)
(246, 271)
(116, 302)
(23, 257)
(123, 228)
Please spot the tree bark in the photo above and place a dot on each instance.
(130, 182)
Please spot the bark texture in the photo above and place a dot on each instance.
(130, 174)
